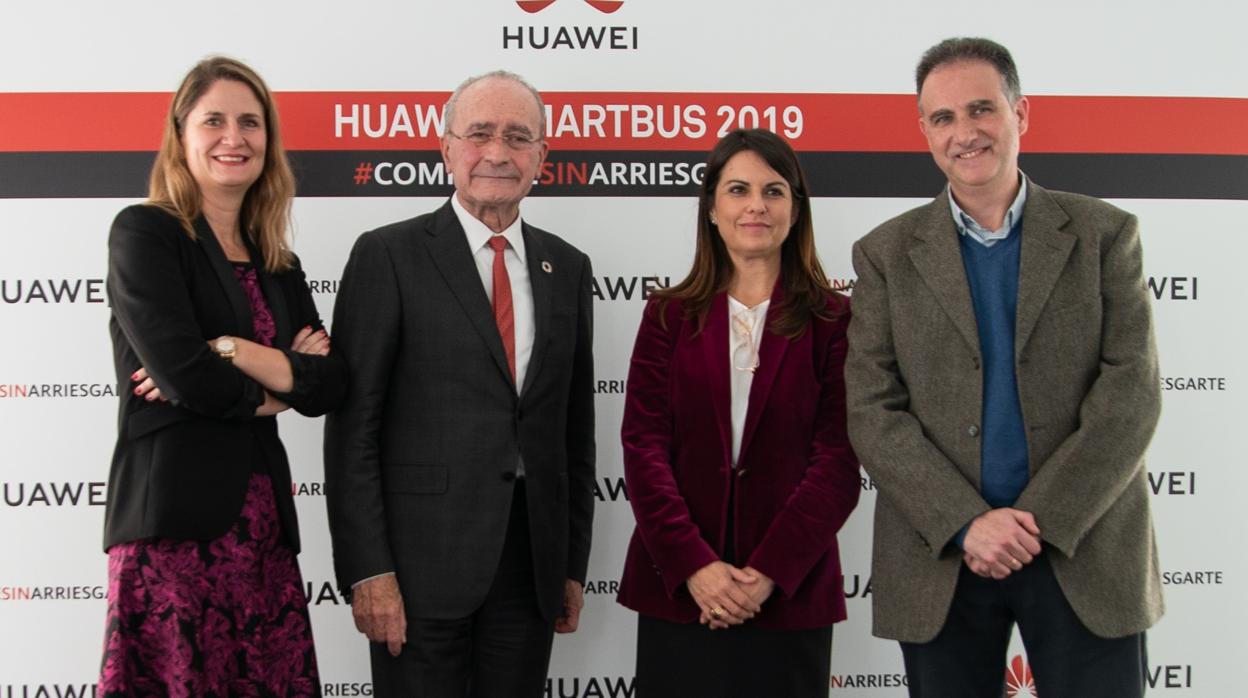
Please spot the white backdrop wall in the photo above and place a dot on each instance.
(78, 123)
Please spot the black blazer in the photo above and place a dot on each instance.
(180, 468)
(420, 460)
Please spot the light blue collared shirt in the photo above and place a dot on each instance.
(968, 226)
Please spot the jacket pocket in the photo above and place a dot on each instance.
(415, 479)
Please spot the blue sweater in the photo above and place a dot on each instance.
(993, 276)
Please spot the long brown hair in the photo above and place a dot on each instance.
(266, 206)
(806, 287)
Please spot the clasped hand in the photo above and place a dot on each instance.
(1001, 542)
(728, 595)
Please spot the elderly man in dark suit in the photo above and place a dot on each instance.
(1003, 388)
(460, 471)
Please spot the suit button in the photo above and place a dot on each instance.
(975, 362)
(741, 472)
(509, 476)
(972, 431)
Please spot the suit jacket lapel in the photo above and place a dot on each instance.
(714, 339)
(274, 297)
(225, 274)
(1045, 249)
(540, 281)
(448, 246)
(770, 355)
(938, 260)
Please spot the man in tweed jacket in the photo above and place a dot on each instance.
(1003, 388)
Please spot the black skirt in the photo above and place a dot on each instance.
(686, 660)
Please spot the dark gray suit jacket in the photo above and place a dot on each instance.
(1088, 383)
(419, 462)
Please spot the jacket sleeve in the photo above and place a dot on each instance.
(320, 382)
(580, 432)
(666, 527)
(151, 301)
(366, 336)
(915, 476)
(802, 532)
(1118, 414)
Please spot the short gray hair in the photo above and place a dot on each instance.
(971, 49)
(448, 115)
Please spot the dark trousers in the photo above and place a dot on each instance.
(686, 660)
(968, 658)
(503, 649)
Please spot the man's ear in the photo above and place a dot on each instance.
(1022, 110)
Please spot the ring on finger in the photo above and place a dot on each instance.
(717, 611)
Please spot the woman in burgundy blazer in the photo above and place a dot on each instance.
(733, 566)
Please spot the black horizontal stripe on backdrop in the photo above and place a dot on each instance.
(72, 175)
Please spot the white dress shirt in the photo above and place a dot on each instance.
(971, 228)
(745, 336)
(521, 290)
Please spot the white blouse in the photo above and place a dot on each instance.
(745, 336)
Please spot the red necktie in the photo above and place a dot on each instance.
(503, 314)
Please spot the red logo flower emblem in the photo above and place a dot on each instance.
(1018, 680)
(604, 6)
(532, 6)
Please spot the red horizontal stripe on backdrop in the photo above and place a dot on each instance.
(81, 121)
(132, 121)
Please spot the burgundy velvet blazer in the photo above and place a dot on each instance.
(797, 476)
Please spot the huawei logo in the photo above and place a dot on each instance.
(604, 6)
(1018, 680)
(570, 37)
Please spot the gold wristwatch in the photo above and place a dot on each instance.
(226, 349)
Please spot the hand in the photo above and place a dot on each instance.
(310, 342)
(377, 607)
(717, 587)
(759, 590)
(573, 602)
(146, 388)
(1000, 542)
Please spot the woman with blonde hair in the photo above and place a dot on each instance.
(215, 331)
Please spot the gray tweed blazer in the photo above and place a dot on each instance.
(1088, 382)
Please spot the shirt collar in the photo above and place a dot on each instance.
(737, 306)
(968, 226)
(479, 234)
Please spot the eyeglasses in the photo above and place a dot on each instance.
(514, 141)
(744, 355)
